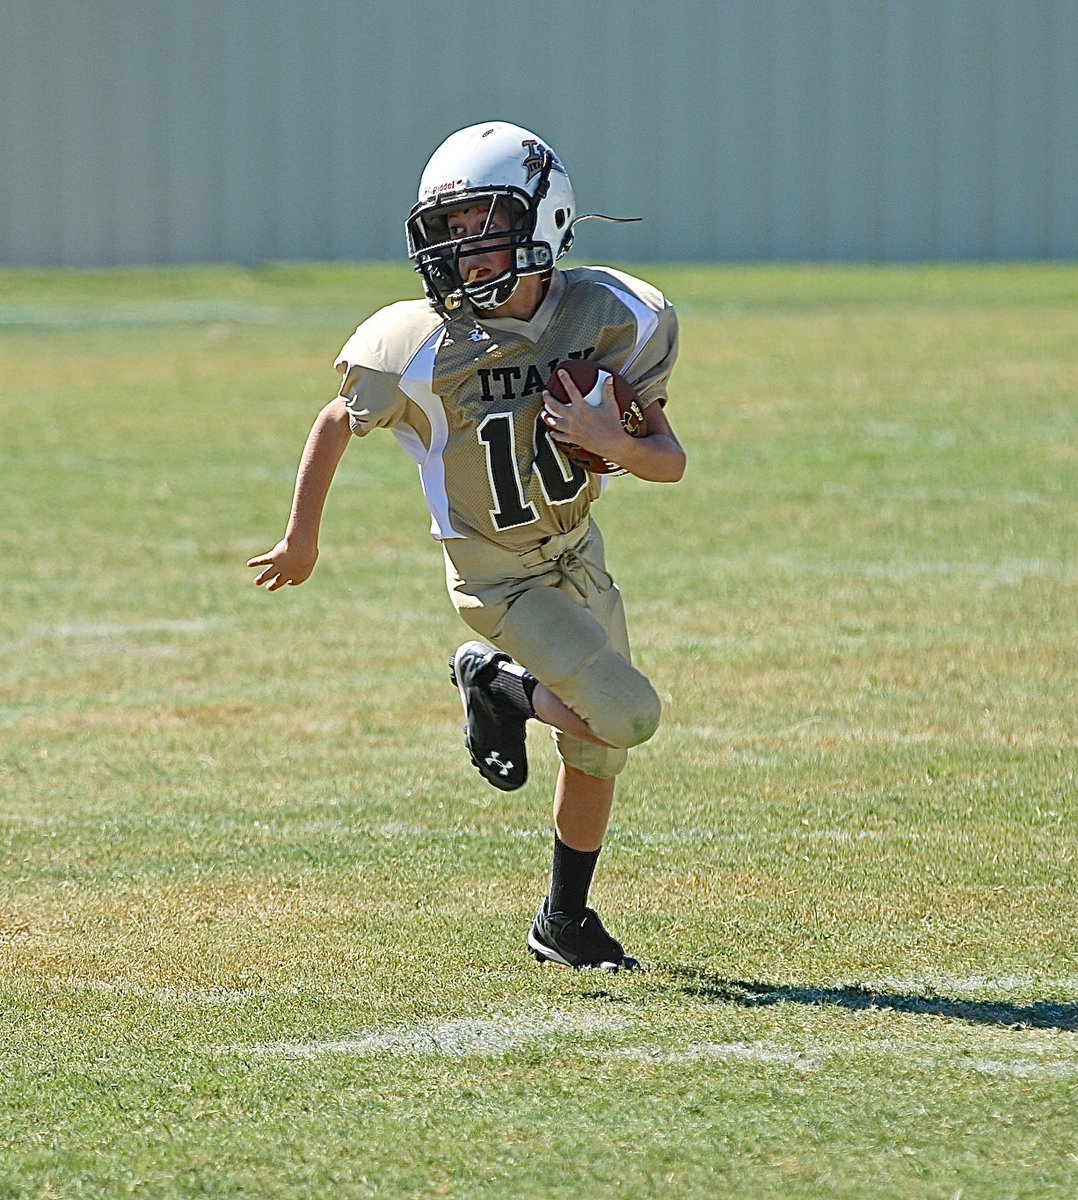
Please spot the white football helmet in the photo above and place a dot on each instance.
(509, 171)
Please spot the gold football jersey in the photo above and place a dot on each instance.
(464, 398)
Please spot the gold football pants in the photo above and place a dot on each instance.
(557, 612)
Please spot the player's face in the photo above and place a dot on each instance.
(478, 265)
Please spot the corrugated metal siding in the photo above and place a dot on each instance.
(154, 131)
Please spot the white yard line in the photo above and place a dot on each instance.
(976, 986)
(490, 1037)
(108, 629)
(926, 1056)
(467, 1037)
(762, 1052)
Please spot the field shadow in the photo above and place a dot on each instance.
(1041, 1014)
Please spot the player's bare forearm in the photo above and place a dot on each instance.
(326, 443)
(658, 456)
(292, 560)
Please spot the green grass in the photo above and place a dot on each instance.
(260, 923)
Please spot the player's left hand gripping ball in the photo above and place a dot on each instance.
(589, 378)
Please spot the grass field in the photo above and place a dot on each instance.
(261, 925)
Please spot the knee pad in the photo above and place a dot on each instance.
(571, 651)
(615, 699)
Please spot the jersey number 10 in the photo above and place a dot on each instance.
(561, 480)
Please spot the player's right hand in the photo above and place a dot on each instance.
(284, 564)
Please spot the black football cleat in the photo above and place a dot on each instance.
(576, 941)
(494, 734)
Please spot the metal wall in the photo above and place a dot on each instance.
(141, 131)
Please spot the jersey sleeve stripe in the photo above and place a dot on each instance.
(647, 320)
(416, 382)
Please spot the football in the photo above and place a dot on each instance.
(589, 378)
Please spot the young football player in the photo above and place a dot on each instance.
(461, 380)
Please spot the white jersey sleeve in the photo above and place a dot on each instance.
(373, 360)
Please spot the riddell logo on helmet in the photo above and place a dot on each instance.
(450, 185)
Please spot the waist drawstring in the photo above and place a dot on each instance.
(561, 552)
(570, 561)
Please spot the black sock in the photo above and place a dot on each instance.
(514, 685)
(570, 878)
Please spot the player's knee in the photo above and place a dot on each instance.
(645, 715)
(634, 718)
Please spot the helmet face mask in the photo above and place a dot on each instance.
(525, 191)
(443, 261)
